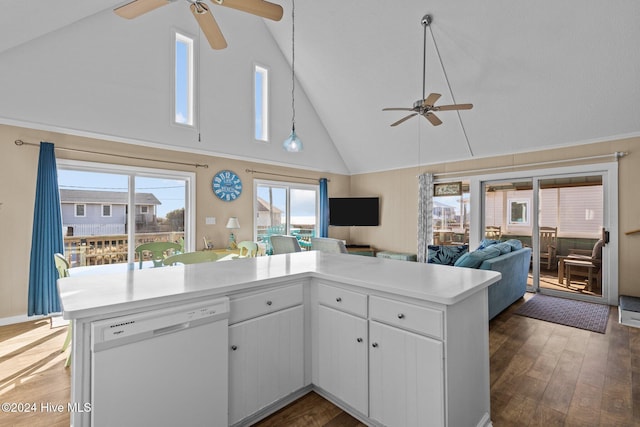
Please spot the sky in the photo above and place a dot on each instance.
(303, 202)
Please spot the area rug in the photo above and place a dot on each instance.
(578, 314)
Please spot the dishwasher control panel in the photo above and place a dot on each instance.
(157, 322)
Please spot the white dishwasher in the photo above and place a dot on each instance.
(166, 367)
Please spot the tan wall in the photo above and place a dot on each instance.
(399, 192)
(18, 168)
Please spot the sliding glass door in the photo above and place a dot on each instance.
(564, 216)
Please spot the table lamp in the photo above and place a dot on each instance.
(232, 224)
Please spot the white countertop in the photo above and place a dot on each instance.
(93, 295)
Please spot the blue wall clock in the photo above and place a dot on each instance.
(226, 185)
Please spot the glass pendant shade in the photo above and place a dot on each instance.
(293, 143)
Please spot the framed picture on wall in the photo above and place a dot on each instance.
(447, 189)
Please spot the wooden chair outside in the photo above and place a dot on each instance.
(493, 232)
(62, 265)
(548, 245)
(191, 258)
(158, 250)
(586, 266)
(461, 238)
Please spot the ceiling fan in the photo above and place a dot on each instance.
(203, 15)
(425, 106)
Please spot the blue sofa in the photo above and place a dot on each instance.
(507, 258)
(514, 267)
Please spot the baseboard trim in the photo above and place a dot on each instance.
(22, 318)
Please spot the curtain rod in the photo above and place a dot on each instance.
(280, 174)
(20, 142)
(616, 155)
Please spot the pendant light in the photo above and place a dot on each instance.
(293, 144)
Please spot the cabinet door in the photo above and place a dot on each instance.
(266, 361)
(342, 357)
(405, 378)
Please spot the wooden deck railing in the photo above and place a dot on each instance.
(109, 249)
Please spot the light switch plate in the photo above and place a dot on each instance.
(210, 220)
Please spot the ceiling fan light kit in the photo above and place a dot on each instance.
(203, 15)
(426, 106)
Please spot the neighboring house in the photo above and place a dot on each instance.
(263, 220)
(98, 213)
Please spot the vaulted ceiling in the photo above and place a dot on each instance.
(540, 74)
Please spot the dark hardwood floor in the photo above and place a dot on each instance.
(542, 374)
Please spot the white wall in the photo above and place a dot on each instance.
(117, 83)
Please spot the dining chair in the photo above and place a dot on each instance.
(327, 244)
(159, 251)
(548, 243)
(62, 266)
(191, 258)
(248, 249)
(284, 244)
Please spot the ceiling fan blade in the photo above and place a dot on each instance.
(255, 7)
(453, 107)
(208, 25)
(402, 120)
(138, 7)
(397, 109)
(433, 119)
(431, 99)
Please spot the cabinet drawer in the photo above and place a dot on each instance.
(341, 299)
(250, 306)
(422, 320)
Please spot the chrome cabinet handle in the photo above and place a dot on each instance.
(269, 302)
(359, 340)
(234, 347)
(400, 316)
(339, 299)
(374, 345)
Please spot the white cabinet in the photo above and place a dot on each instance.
(266, 353)
(406, 378)
(342, 357)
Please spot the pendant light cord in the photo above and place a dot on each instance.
(293, 64)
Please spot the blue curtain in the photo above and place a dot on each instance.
(47, 237)
(324, 208)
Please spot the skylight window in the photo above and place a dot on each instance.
(184, 80)
(261, 103)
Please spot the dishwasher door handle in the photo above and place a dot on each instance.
(172, 328)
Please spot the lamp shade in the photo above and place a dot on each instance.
(293, 143)
(233, 223)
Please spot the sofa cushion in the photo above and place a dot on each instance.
(504, 247)
(486, 243)
(515, 244)
(475, 258)
(445, 254)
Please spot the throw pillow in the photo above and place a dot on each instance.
(487, 242)
(446, 255)
(515, 244)
(504, 247)
(475, 258)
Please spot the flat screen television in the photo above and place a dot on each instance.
(354, 211)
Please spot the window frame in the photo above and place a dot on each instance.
(192, 85)
(264, 134)
(288, 186)
(84, 210)
(135, 171)
(110, 210)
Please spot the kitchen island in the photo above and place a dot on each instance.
(412, 337)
